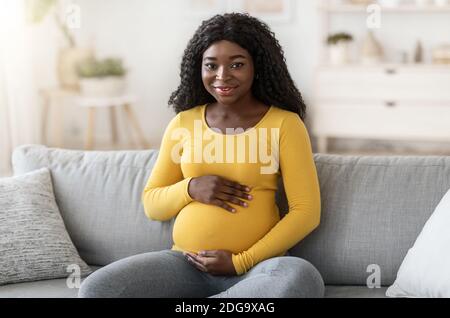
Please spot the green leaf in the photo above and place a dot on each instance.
(37, 10)
(91, 67)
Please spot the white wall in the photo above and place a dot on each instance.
(151, 36)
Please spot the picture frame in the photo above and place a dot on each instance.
(273, 11)
(203, 9)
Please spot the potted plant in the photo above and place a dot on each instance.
(338, 44)
(101, 78)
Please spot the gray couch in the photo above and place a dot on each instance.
(373, 208)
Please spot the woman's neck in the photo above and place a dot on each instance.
(242, 107)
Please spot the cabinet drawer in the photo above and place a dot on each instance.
(372, 120)
(383, 83)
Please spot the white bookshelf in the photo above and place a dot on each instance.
(388, 101)
(387, 66)
(348, 8)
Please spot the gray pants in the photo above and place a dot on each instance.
(168, 274)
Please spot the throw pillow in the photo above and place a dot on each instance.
(424, 271)
(34, 243)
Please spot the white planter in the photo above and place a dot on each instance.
(339, 53)
(110, 86)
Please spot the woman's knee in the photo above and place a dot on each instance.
(114, 279)
(100, 284)
(299, 278)
(154, 274)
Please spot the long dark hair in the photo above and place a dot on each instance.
(272, 84)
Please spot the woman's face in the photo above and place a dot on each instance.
(227, 71)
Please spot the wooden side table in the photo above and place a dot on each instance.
(53, 102)
(125, 102)
(56, 98)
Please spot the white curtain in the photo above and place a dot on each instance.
(19, 102)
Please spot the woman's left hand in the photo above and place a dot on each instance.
(215, 262)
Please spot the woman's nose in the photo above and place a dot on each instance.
(221, 73)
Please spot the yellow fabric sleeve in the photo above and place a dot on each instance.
(301, 185)
(166, 191)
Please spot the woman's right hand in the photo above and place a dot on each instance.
(215, 190)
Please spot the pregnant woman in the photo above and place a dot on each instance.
(239, 127)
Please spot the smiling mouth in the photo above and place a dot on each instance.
(224, 90)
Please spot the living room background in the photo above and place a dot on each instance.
(149, 37)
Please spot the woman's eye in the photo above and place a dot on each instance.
(210, 66)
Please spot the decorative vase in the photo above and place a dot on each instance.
(339, 53)
(110, 86)
(441, 54)
(67, 62)
(388, 3)
(371, 52)
(360, 2)
(422, 2)
(418, 53)
(441, 2)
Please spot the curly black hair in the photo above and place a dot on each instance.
(272, 84)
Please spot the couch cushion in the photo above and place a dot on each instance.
(373, 209)
(424, 271)
(354, 292)
(99, 196)
(34, 243)
(52, 288)
(57, 288)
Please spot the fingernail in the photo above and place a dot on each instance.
(233, 210)
(250, 197)
(247, 189)
(245, 204)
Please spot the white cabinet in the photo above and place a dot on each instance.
(385, 83)
(381, 120)
(382, 101)
(393, 102)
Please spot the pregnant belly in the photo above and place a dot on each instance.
(201, 226)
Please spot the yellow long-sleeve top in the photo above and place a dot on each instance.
(278, 145)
